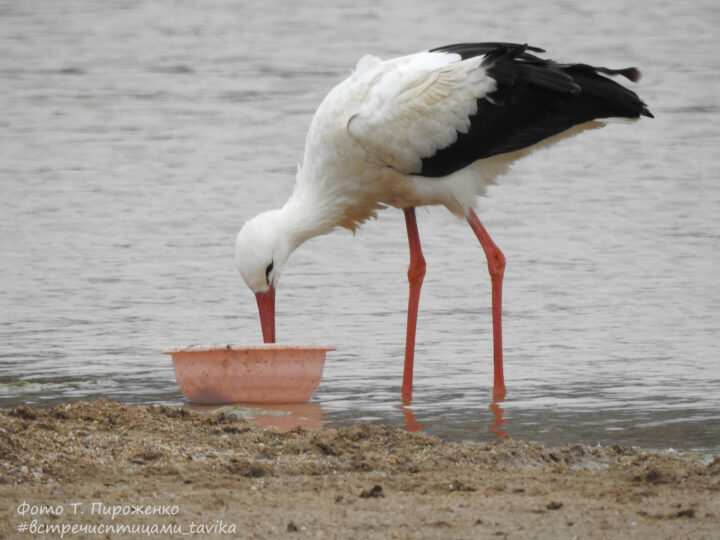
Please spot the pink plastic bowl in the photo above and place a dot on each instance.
(266, 373)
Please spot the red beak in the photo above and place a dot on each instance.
(266, 307)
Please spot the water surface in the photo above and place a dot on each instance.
(137, 137)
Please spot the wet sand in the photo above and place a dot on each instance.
(214, 475)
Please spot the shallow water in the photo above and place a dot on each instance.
(136, 138)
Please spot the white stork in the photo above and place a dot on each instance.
(433, 128)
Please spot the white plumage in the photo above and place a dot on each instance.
(372, 130)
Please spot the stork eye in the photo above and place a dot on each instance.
(267, 272)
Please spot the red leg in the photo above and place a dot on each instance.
(416, 272)
(496, 266)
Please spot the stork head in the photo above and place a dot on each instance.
(261, 249)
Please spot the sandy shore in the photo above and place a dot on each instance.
(102, 466)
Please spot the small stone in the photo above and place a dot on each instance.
(375, 491)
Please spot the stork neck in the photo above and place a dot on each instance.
(303, 218)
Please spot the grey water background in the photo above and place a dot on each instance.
(137, 137)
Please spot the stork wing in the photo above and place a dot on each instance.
(436, 112)
(417, 105)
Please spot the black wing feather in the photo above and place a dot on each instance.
(535, 99)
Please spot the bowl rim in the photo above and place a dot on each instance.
(251, 347)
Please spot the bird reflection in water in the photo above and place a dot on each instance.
(498, 418)
(412, 425)
(311, 415)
